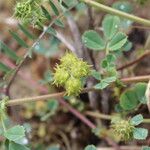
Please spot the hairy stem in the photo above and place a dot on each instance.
(146, 54)
(77, 114)
(117, 12)
(136, 79)
(61, 94)
(146, 121)
(98, 115)
(107, 117)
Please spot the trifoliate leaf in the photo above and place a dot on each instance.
(131, 98)
(128, 100)
(93, 40)
(15, 133)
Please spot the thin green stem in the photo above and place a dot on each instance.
(98, 115)
(107, 117)
(20, 101)
(3, 124)
(146, 121)
(106, 48)
(117, 12)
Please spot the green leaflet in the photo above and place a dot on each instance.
(15, 133)
(93, 40)
(18, 39)
(26, 32)
(9, 52)
(4, 68)
(54, 8)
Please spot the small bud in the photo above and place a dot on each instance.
(123, 129)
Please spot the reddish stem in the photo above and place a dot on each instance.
(77, 114)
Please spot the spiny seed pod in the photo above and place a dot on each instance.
(68, 59)
(60, 76)
(77, 67)
(73, 86)
(123, 129)
(80, 69)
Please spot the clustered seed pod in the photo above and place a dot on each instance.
(29, 11)
(69, 73)
(123, 129)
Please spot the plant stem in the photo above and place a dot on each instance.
(106, 117)
(78, 114)
(117, 12)
(106, 48)
(146, 53)
(61, 94)
(87, 122)
(146, 120)
(136, 79)
(98, 115)
(33, 99)
(3, 124)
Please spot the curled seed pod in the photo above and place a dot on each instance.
(30, 12)
(38, 18)
(73, 86)
(23, 11)
(123, 129)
